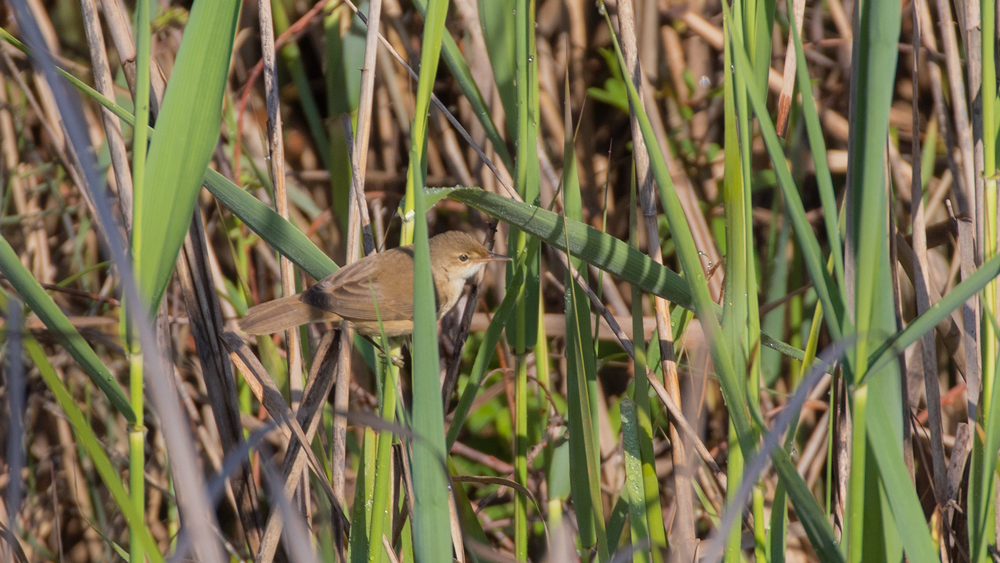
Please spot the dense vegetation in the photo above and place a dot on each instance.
(751, 311)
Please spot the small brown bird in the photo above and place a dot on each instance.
(384, 279)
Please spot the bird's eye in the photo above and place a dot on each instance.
(463, 257)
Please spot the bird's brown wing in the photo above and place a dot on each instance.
(353, 291)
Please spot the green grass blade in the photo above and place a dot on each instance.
(875, 71)
(276, 231)
(873, 489)
(581, 373)
(453, 58)
(634, 486)
(523, 330)
(382, 508)
(585, 463)
(597, 248)
(817, 146)
(497, 22)
(758, 25)
(581, 377)
(736, 309)
(982, 472)
(431, 538)
(187, 132)
(906, 509)
(62, 330)
(364, 494)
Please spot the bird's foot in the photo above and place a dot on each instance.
(395, 359)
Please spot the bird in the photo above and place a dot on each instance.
(376, 292)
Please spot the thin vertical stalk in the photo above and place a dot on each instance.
(431, 539)
(921, 281)
(136, 453)
(683, 525)
(982, 70)
(856, 486)
(640, 396)
(740, 322)
(734, 310)
(382, 508)
(759, 528)
(988, 97)
(521, 449)
(276, 169)
(137, 431)
(526, 172)
(581, 372)
(358, 224)
(581, 465)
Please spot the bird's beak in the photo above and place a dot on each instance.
(494, 257)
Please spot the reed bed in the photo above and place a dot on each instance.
(750, 312)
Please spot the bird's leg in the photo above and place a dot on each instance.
(396, 360)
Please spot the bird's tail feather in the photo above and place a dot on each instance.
(282, 314)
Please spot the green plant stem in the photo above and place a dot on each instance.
(759, 526)
(527, 184)
(734, 478)
(432, 540)
(735, 312)
(640, 397)
(382, 501)
(136, 455)
(521, 453)
(856, 506)
(137, 431)
(982, 488)
(989, 102)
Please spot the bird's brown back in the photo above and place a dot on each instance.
(383, 281)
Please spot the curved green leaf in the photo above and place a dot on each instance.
(279, 233)
(599, 249)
